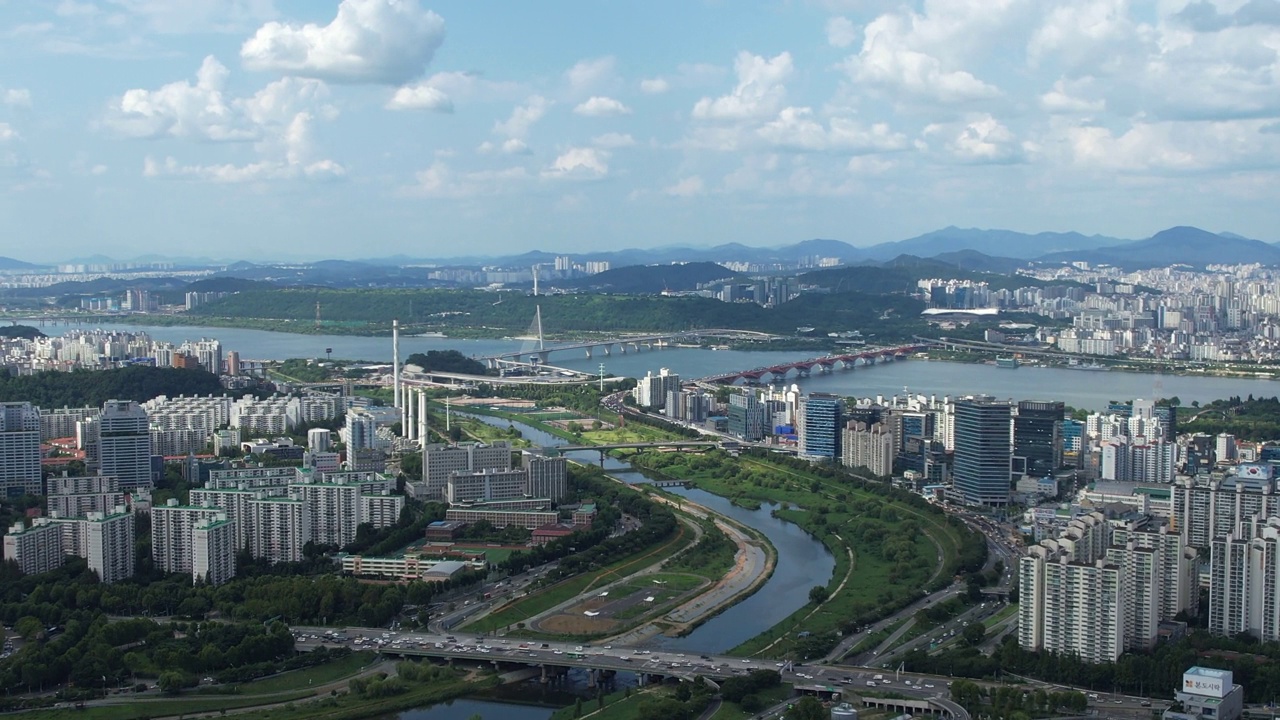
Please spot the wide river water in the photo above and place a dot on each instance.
(1077, 388)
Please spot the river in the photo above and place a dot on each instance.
(802, 561)
(1077, 388)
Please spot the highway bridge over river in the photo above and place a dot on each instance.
(528, 659)
(824, 364)
(632, 343)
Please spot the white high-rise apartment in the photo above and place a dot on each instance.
(278, 527)
(1099, 590)
(1207, 509)
(36, 549)
(213, 550)
(109, 544)
(171, 539)
(871, 447)
(1244, 584)
(20, 450)
(548, 476)
(124, 444)
(1070, 607)
(73, 497)
(359, 431)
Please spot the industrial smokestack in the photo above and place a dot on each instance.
(395, 362)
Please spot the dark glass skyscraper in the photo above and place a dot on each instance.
(980, 472)
(1037, 438)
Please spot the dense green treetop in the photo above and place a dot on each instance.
(81, 388)
(447, 361)
(20, 331)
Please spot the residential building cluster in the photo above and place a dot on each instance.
(103, 349)
(1103, 587)
(87, 518)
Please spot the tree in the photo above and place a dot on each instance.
(28, 628)
(171, 682)
(808, 708)
(751, 703)
(818, 594)
(683, 692)
(974, 634)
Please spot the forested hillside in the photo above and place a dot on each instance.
(511, 312)
(81, 388)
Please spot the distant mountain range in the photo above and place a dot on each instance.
(969, 248)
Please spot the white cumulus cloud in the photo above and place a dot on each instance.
(17, 97)
(420, 97)
(7, 132)
(654, 86)
(441, 181)
(613, 140)
(579, 163)
(686, 187)
(599, 106)
(841, 32)
(1060, 101)
(180, 109)
(795, 129)
(759, 91)
(374, 41)
(587, 74)
(890, 59)
(523, 117)
(277, 120)
(982, 140)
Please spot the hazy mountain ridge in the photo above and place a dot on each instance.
(985, 249)
(1182, 245)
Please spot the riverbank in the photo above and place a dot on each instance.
(886, 551)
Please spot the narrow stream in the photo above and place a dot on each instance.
(802, 561)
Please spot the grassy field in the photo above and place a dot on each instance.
(318, 675)
(732, 711)
(349, 707)
(544, 600)
(617, 706)
(633, 433)
(163, 707)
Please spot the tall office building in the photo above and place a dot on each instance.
(123, 444)
(747, 416)
(1037, 438)
(20, 450)
(820, 419)
(981, 470)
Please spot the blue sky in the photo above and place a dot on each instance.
(264, 129)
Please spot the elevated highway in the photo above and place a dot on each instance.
(919, 694)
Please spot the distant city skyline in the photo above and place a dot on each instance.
(283, 129)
